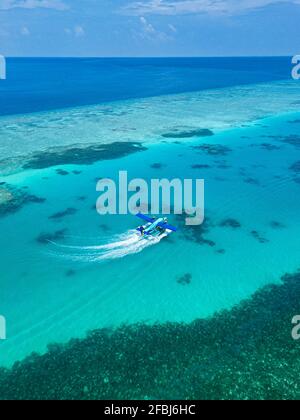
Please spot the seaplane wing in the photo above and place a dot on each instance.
(146, 218)
(167, 227)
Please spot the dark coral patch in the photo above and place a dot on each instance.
(252, 181)
(270, 147)
(70, 273)
(196, 233)
(105, 228)
(224, 166)
(34, 199)
(220, 179)
(277, 225)
(62, 172)
(295, 167)
(13, 199)
(200, 166)
(45, 238)
(213, 149)
(243, 171)
(185, 134)
(185, 280)
(157, 166)
(256, 235)
(208, 242)
(82, 155)
(232, 223)
(61, 214)
(292, 140)
(267, 146)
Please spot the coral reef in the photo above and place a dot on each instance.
(13, 199)
(185, 280)
(81, 155)
(70, 273)
(45, 238)
(198, 233)
(252, 181)
(201, 166)
(61, 214)
(277, 225)
(62, 172)
(232, 223)
(256, 235)
(157, 166)
(185, 134)
(240, 354)
(267, 146)
(296, 167)
(213, 149)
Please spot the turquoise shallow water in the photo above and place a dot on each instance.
(143, 120)
(55, 291)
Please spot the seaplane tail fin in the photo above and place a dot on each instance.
(146, 218)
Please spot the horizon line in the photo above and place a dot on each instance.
(149, 57)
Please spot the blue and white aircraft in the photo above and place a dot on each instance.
(154, 227)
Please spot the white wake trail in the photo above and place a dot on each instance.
(126, 244)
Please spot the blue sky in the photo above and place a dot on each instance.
(149, 27)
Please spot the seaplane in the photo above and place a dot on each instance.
(154, 226)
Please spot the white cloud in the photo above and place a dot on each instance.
(151, 33)
(33, 4)
(25, 31)
(172, 28)
(147, 27)
(78, 31)
(181, 7)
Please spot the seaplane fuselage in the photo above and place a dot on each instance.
(154, 226)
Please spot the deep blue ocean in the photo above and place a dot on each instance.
(36, 84)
